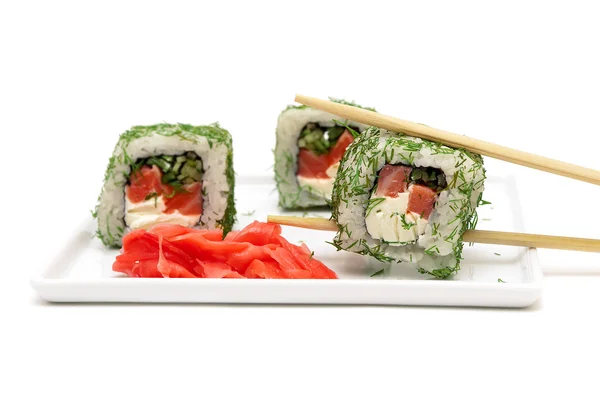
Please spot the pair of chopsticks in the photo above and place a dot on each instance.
(514, 156)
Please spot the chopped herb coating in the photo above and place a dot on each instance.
(406, 225)
(380, 272)
(440, 273)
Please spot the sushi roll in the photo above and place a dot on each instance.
(309, 146)
(403, 199)
(179, 174)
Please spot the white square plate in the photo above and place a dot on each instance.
(490, 276)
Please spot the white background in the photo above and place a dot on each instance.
(75, 75)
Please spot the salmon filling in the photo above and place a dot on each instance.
(165, 189)
(402, 202)
(321, 149)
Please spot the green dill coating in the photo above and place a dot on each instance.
(186, 154)
(438, 252)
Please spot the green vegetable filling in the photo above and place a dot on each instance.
(431, 177)
(318, 139)
(177, 170)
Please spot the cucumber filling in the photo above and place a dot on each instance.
(320, 139)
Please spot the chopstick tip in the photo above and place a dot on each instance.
(298, 98)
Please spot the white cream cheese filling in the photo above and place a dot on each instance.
(320, 186)
(387, 220)
(150, 212)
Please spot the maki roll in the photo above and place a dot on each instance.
(309, 146)
(403, 199)
(179, 174)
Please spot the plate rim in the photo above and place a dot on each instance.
(44, 284)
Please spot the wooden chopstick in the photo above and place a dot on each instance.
(318, 224)
(532, 240)
(471, 236)
(453, 140)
